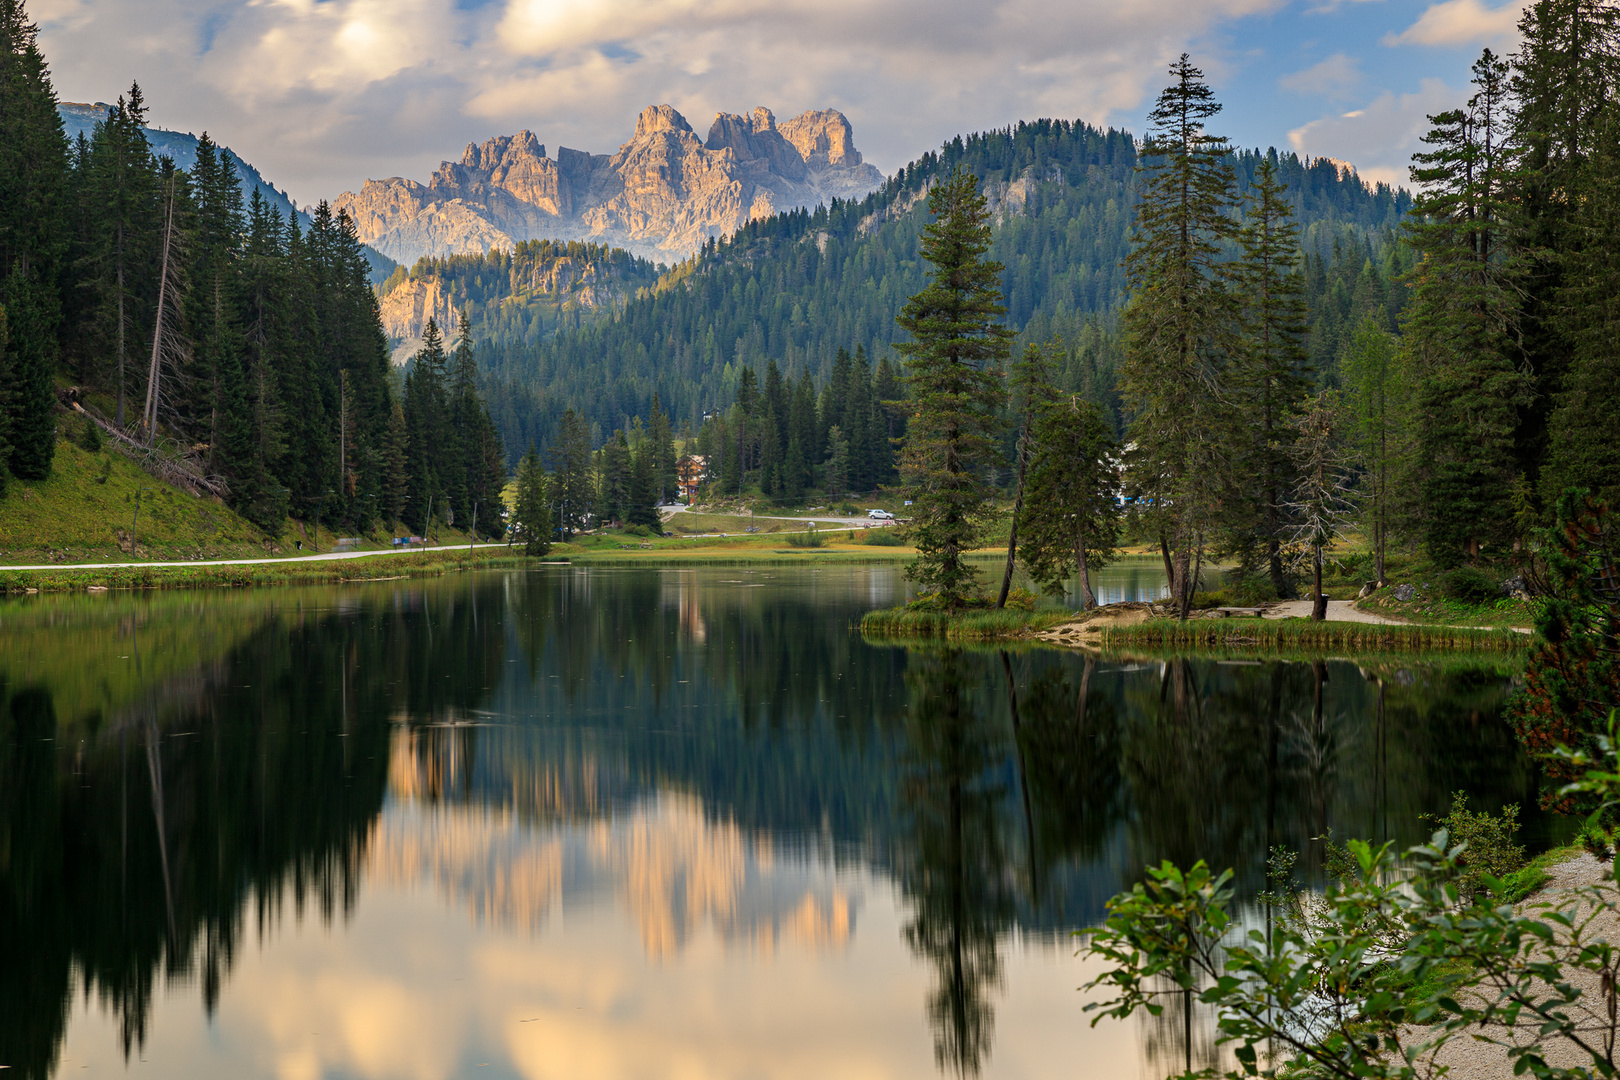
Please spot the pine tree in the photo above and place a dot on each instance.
(33, 239)
(1583, 451)
(1564, 80)
(1270, 371)
(1373, 396)
(662, 447)
(572, 490)
(1032, 388)
(1320, 501)
(122, 211)
(1072, 516)
(425, 424)
(613, 484)
(837, 465)
(952, 369)
(1460, 329)
(1179, 325)
(531, 518)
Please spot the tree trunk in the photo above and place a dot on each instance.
(1169, 568)
(153, 392)
(1318, 601)
(1088, 599)
(1018, 507)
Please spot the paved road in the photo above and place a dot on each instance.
(249, 562)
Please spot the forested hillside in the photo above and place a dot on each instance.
(526, 294)
(798, 287)
(221, 345)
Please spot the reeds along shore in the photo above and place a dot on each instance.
(981, 625)
(422, 564)
(1290, 634)
(1261, 635)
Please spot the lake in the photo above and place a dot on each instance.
(601, 823)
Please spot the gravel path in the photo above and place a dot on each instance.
(1337, 611)
(1469, 1059)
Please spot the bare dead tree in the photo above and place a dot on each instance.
(169, 346)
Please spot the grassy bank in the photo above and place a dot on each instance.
(790, 548)
(417, 564)
(83, 513)
(984, 624)
(1303, 635)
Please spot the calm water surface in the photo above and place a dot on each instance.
(601, 823)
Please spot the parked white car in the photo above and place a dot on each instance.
(880, 515)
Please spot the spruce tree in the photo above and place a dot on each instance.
(1071, 522)
(1374, 399)
(1460, 330)
(1180, 320)
(531, 518)
(1564, 79)
(33, 239)
(573, 491)
(1320, 501)
(1583, 447)
(958, 341)
(1270, 372)
(121, 210)
(1032, 388)
(661, 440)
(425, 426)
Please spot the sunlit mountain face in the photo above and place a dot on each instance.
(584, 823)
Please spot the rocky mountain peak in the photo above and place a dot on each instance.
(823, 137)
(661, 195)
(656, 118)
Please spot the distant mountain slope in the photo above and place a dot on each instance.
(660, 196)
(797, 287)
(80, 117)
(525, 294)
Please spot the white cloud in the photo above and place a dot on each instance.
(1380, 137)
(1333, 78)
(1463, 22)
(321, 94)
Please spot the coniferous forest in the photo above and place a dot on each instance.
(228, 348)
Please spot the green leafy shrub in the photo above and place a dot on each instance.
(883, 538)
(850, 510)
(1022, 599)
(1489, 850)
(810, 539)
(1468, 584)
(1596, 840)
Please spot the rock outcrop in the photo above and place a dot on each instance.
(662, 195)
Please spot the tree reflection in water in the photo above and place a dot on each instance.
(1002, 792)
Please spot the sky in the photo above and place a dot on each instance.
(322, 94)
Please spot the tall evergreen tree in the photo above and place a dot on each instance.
(531, 518)
(1072, 519)
(425, 424)
(661, 444)
(1461, 327)
(120, 206)
(1374, 398)
(953, 362)
(572, 490)
(1179, 324)
(1270, 371)
(1032, 388)
(33, 239)
(1564, 80)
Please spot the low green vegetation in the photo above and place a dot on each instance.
(1267, 635)
(428, 563)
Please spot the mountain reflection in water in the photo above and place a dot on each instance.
(629, 823)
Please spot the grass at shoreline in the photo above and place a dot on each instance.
(1243, 636)
(984, 624)
(324, 572)
(1269, 635)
